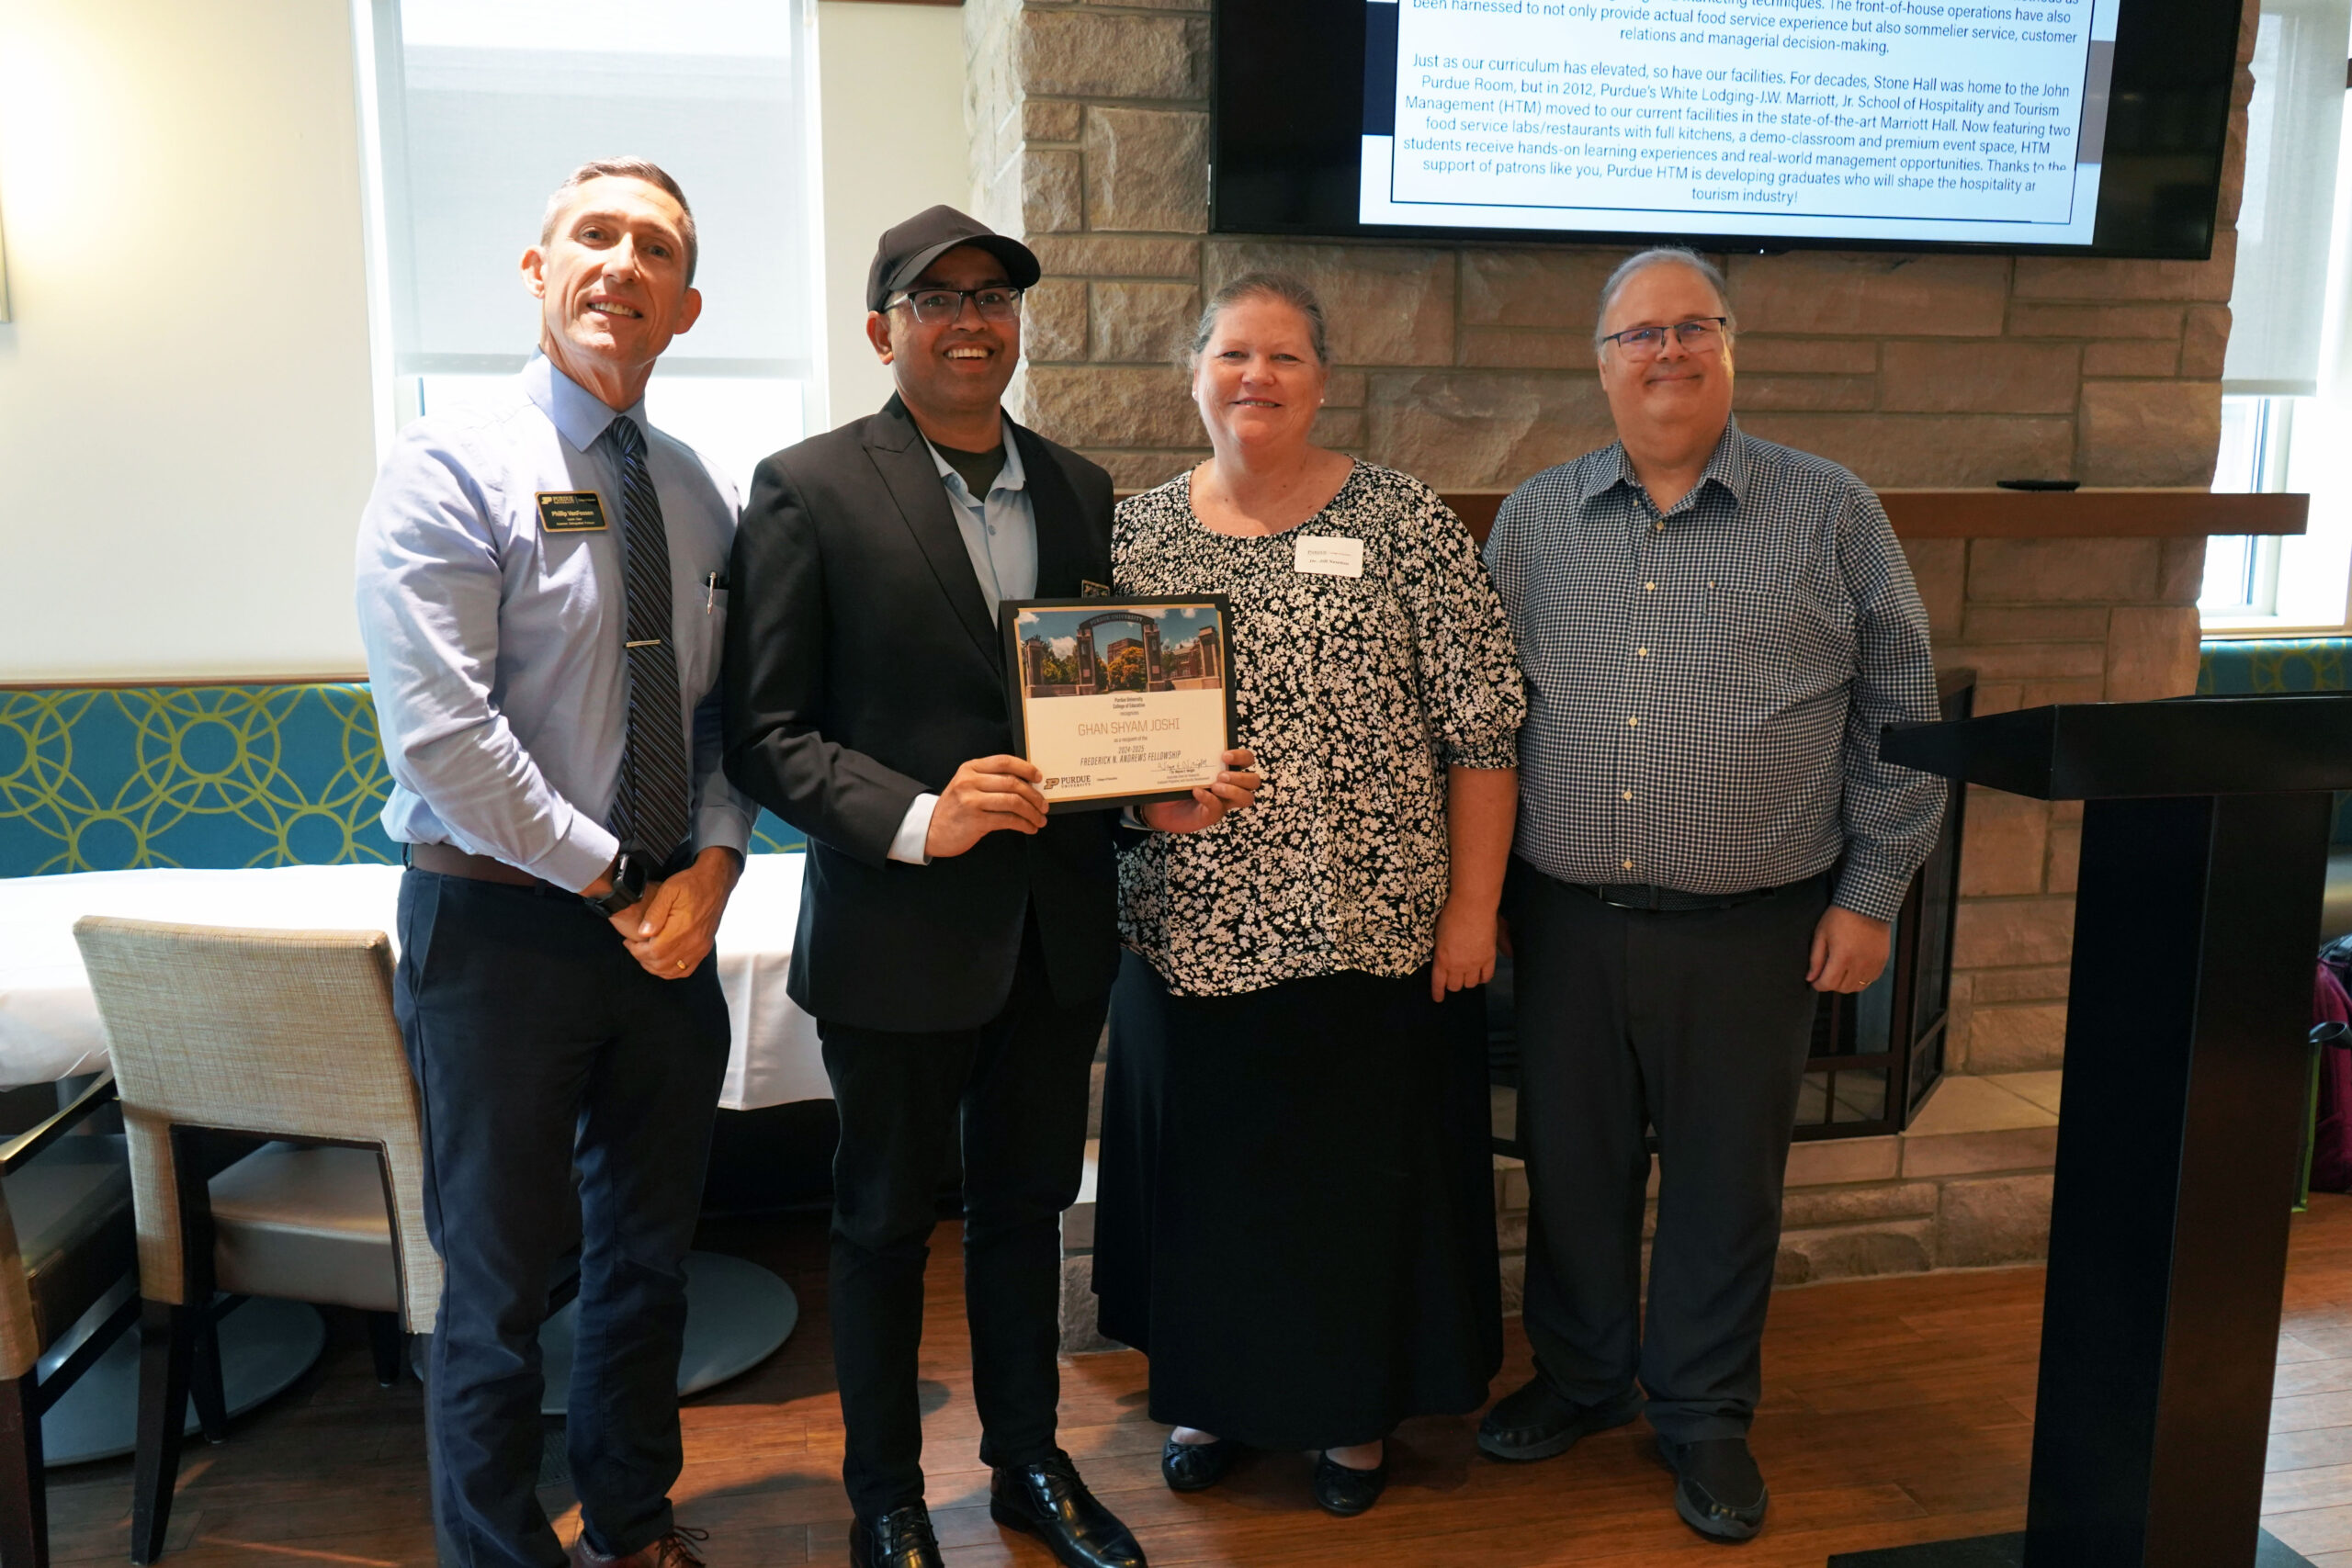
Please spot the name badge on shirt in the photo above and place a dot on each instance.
(1330, 557)
(571, 511)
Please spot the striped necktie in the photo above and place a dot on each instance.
(650, 808)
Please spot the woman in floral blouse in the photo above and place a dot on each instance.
(1296, 1215)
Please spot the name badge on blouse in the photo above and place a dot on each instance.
(571, 511)
(1330, 557)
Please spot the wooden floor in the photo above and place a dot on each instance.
(1896, 1411)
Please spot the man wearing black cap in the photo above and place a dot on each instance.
(955, 946)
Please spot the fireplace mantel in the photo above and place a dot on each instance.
(2038, 514)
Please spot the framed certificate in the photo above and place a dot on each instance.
(1120, 700)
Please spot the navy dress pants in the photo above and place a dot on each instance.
(1015, 1088)
(1695, 1026)
(540, 1046)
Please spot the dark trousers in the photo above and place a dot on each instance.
(539, 1047)
(1696, 1025)
(1017, 1087)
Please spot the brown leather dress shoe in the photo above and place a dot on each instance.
(675, 1550)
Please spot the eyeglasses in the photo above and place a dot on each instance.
(1701, 334)
(934, 306)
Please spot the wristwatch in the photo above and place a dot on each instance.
(628, 872)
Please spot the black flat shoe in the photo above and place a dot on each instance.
(1196, 1467)
(1536, 1423)
(1717, 1490)
(1047, 1500)
(900, 1538)
(1346, 1492)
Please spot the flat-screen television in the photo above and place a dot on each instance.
(2070, 127)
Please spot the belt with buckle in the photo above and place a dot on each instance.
(448, 859)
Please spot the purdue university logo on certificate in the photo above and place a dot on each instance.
(1120, 700)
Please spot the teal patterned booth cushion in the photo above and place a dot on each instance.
(209, 777)
(2240, 667)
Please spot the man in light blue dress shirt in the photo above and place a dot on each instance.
(542, 594)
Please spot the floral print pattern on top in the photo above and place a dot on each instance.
(1356, 694)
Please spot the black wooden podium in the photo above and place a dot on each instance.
(2196, 923)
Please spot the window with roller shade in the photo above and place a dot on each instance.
(2287, 403)
(483, 107)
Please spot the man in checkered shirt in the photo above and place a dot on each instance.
(1714, 629)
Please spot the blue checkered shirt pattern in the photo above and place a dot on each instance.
(1706, 686)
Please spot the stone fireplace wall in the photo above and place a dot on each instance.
(1471, 367)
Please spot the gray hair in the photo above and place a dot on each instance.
(1661, 255)
(644, 169)
(1281, 286)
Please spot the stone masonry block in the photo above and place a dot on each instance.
(1106, 406)
(1043, 120)
(2180, 577)
(2055, 571)
(1140, 470)
(2152, 652)
(1053, 320)
(1080, 1333)
(1518, 348)
(1117, 256)
(1928, 451)
(2003, 1220)
(2203, 339)
(1345, 390)
(1343, 429)
(1809, 1207)
(1050, 199)
(2027, 1039)
(1902, 1247)
(1996, 933)
(1484, 431)
(2150, 356)
(2003, 849)
(1843, 357)
(1940, 569)
(1986, 376)
(1387, 305)
(1859, 294)
(2149, 433)
(2095, 321)
(2034, 661)
(1986, 987)
(2034, 623)
(1144, 321)
(1549, 288)
(1806, 392)
(1146, 169)
(2066, 856)
(1093, 54)
(2076, 277)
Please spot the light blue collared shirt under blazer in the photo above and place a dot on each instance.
(494, 642)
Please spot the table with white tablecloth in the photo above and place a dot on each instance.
(50, 1031)
(49, 1021)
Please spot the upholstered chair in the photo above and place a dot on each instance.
(284, 1035)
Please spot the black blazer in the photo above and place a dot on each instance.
(862, 669)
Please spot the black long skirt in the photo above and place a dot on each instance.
(1295, 1212)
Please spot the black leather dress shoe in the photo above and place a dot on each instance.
(1196, 1467)
(900, 1538)
(1347, 1492)
(1717, 1490)
(1047, 1500)
(1536, 1423)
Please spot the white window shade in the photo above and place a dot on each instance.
(2285, 219)
(486, 106)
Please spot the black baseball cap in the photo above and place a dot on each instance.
(904, 251)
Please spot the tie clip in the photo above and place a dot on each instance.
(649, 642)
